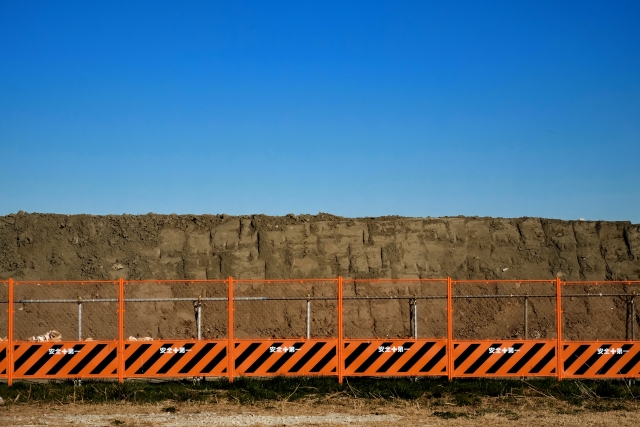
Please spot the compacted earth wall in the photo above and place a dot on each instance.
(43, 247)
(74, 247)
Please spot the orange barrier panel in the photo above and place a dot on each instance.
(285, 357)
(611, 359)
(4, 359)
(504, 358)
(65, 359)
(175, 358)
(219, 343)
(394, 357)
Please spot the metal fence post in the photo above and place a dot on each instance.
(199, 314)
(79, 319)
(414, 311)
(559, 350)
(526, 317)
(230, 307)
(449, 328)
(10, 334)
(308, 316)
(121, 330)
(633, 317)
(340, 332)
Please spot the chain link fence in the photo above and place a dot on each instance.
(4, 311)
(175, 310)
(388, 308)
(308, 309)
(285, 308)
(504, 310)
(70, 311)
(600, 310)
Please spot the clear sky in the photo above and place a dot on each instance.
(352, 108)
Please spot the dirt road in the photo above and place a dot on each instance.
(354, 412)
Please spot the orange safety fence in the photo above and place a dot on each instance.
(338, 327)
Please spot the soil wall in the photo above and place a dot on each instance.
(45, 246)
(77, 247)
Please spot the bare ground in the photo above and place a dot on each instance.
(341, 411)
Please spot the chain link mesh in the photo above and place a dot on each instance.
(504, 310)
(286, 309)
(175, 310)
(65, 311)
(600, 311)
(308, 308)
(395, 308)
(4, 310)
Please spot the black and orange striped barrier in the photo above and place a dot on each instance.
(67, 359)
(611, 359)
(333, 356)
(177, 358)
(285, 357)
(4, 359)
(394, 357)
(504, 358)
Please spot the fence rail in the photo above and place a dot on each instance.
(334, 327)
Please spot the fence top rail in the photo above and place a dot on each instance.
(491, 281)
(328, 280)
(189, 281)
(65, 282)
(334, 280)
(396, 280)
(603, 282)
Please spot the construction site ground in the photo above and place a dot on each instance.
(329, 412)
(322, 402)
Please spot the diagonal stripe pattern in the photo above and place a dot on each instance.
(394, 357)
(504, 358)
(179, 358)
(3, 359)
(609, 359)
(68, 359)
(285, 357)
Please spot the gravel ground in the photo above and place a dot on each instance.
(355, 413)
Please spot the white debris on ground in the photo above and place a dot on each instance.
(140, 339)
(52, 335)
(195, 419)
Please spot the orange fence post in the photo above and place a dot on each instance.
(10, 334)
(449, 328)
(121, 330)
(559, 351)
(340, 333)
(230, 308)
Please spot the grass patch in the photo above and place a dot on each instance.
(463, 399)
(447, 415)
(592, 395)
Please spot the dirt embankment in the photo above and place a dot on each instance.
(83, 247)
(45, 246)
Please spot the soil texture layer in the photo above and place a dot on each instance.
(75, 247)
(43, 247)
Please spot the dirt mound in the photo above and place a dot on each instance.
(45, 246)
(83, 247)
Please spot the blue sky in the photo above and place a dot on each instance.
(352, 108)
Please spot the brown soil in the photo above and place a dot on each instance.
(497, 411)
(83, 247)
